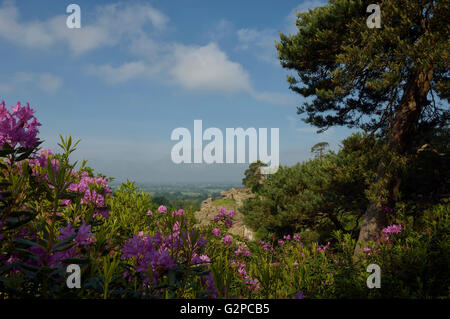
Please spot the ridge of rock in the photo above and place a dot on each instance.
(210, 206)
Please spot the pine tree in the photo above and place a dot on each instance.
(392, 80)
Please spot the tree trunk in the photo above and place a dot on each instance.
(404, 124)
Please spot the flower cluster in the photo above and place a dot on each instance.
(251, 283)
(216, 232)
(82, 238)
(159, 252)
(19, 127)
(94, 190)
(224, 216)
(227, 240)
(242, 251)
(208, 284)
(266, 246)
(392, 229)
(149, 251)
(324, 248)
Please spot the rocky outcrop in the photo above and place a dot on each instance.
(210, 207)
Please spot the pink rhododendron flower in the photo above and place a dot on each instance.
(392, 229)
(228, 223)
(222, 212)
(324, 248)
(162, 209)
(205, 258)
(18, 126)
(227, 240)
(242, 251)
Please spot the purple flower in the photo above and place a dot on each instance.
(222, 212)
(150, 213)
(18, 126)
(280, 242)
(324, 248)
(66, 232)
(205, 258)
(162, 209)
(242, 250)
(216, 232)
(227, 240)
(392, 229)
(298, 295)
(228, 223)
(208, 283)
(103, 213)
(84, 236)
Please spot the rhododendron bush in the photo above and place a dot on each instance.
(54, 213)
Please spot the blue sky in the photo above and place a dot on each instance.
(136, 70)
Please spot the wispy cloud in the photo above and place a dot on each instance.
(192, 67)
(43, 81)
(113, 23)
(135, 25)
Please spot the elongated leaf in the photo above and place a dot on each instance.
(27, 242)
(65, 241)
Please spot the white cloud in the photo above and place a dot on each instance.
(43, 81)
(193, 67)
(208, 68)
(113, 23)
(200, 68)
(120, 74)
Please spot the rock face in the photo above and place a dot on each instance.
(210, 207)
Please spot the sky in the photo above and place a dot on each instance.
(137, 70)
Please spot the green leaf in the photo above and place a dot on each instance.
(27, 242)
(65, 241)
